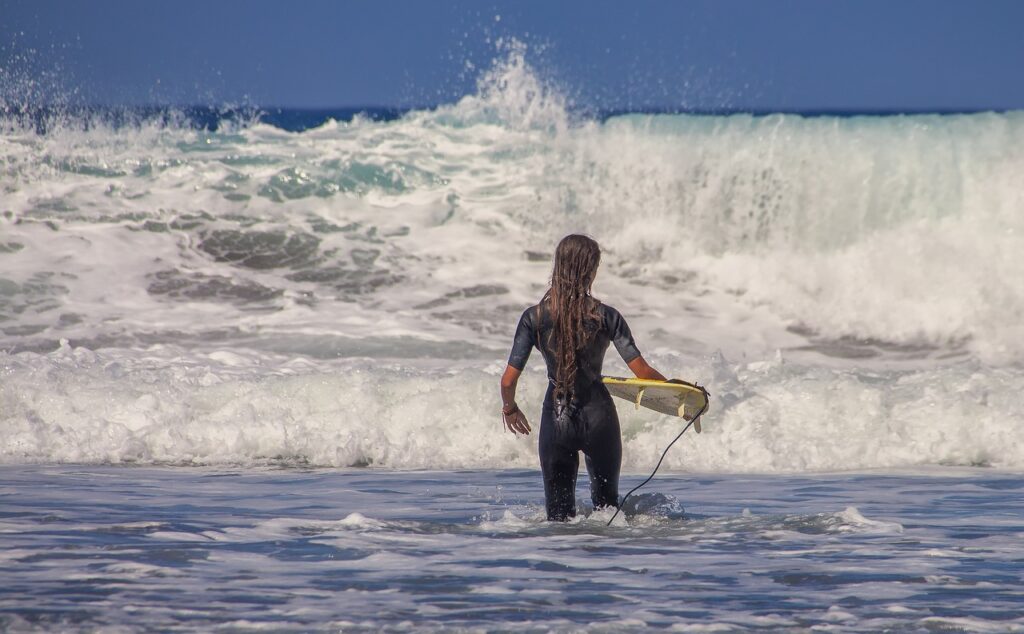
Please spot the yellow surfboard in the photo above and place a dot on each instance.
(675, 399)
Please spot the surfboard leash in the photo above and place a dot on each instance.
(707, 401)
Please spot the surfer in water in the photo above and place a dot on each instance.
(572, 330)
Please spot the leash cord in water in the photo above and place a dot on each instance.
(707, 401)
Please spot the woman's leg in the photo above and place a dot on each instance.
(603, 448)
(559, 463)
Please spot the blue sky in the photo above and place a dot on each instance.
(786, 55)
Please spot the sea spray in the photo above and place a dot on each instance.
(845, 287)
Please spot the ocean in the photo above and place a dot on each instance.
(249, 366)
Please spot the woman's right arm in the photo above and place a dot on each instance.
(643, 370)
(623, 340)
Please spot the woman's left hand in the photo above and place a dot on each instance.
(516, 422)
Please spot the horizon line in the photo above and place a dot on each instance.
(602, 111)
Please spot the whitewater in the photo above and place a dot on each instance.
(271, 358)
(849, 289)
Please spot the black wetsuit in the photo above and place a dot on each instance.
(588, 423)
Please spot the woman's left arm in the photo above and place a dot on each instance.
(514, 419)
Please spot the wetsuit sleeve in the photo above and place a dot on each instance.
(522, 344)
(618, 331)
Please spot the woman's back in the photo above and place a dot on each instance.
(536, 328)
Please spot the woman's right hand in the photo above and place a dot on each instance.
(516, 422)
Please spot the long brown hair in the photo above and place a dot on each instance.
(568, 299)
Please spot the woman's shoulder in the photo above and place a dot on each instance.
(531, 314)
(606, 310)
(611, 318)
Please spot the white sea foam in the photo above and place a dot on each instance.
(901, 230)
(166, 406)
(346, 295)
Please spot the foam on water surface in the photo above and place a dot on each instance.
(167, 405)
(846, 288)
(243, 299)
(302, 550)
(872, 237)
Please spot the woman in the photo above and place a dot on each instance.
(572, 330)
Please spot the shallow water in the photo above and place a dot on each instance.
(90, 547)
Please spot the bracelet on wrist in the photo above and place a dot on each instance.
(508, 410)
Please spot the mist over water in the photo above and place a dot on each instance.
(848, 289)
